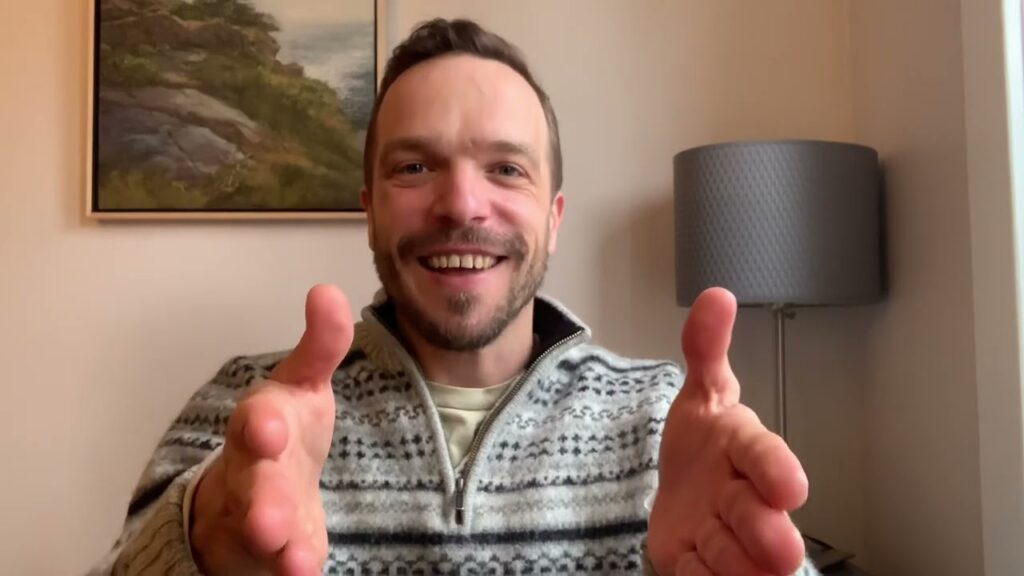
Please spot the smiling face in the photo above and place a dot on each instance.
(461, 215)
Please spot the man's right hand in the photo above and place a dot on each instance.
(257, 508)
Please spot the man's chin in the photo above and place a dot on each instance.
(469, 307)
(459, 337)
(465, 330)
(462, 326)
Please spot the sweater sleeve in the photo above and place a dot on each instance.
(153, 541)
(154, 538)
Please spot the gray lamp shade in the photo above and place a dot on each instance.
(787, 222)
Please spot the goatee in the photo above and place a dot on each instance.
(455, 330)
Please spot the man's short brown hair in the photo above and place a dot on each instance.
(439, 37)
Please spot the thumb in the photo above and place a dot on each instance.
(325, 342)
(706, 338)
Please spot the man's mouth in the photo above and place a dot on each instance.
(460, 262)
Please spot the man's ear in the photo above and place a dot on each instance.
(555, 221)
(366, 199)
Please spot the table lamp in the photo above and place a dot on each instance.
(780, 224)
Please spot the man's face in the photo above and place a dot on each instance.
(461, 215)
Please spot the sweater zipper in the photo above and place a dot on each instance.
(460, 493)
(474, 448)
(470, 458)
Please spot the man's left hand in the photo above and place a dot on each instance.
(726, 484)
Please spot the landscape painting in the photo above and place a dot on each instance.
(222, 108)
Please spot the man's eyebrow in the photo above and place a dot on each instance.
(511, 147)
(408, 144)
(429, 146)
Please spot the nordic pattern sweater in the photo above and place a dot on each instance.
(553, 483)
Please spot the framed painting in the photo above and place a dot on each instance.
(224, 109)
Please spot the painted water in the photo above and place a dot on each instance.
(334, 41)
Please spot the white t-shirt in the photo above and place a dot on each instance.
(462, 410)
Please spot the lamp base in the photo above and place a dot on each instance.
(824, 556)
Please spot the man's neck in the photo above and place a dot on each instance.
(498, 362)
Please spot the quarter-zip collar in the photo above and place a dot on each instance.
(552, 322)
(556, 329)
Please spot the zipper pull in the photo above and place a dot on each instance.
(460, 489)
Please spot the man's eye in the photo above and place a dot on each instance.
(412, 168)
(508, 170)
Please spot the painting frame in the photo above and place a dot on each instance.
(92, 201)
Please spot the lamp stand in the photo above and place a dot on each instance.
(781, 312)
(821, 553)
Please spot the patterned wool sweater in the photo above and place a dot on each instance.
(553, 483)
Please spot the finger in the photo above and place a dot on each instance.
(257, 429)
(299, 558)
(220, 552)
(325, 342)
(691, 565)
(767, 535)
(766, 460)
(706, 338)
(269, 521)
(718, 548)
(257, 434)
(213, 541)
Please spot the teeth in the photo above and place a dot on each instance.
(465, 261)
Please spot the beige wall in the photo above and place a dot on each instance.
(922, 476)
(108, 328)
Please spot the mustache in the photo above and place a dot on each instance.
(511, 245)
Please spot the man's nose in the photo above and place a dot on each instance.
(461, 195)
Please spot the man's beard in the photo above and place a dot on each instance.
(457, 334)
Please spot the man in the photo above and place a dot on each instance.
(466, 425)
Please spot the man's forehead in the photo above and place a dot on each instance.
(477, 97)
